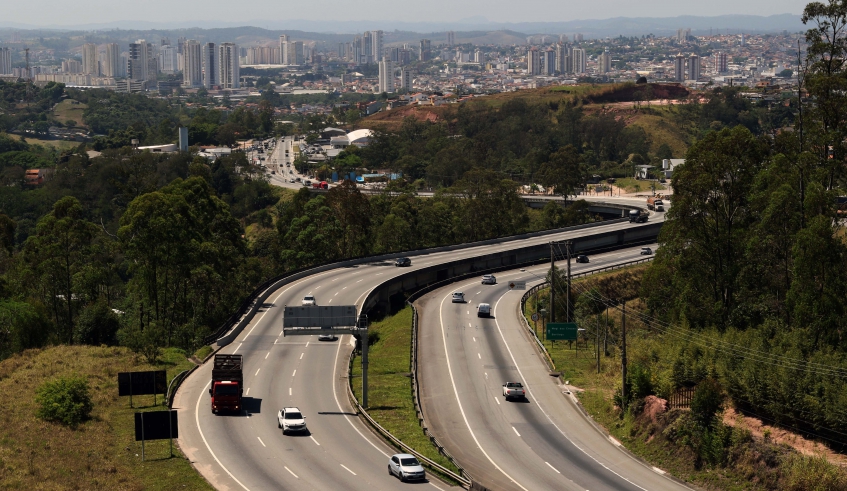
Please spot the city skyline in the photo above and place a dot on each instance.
(183, 16)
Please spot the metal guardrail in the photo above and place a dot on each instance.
(396, 441)
(531, 291)
(175, 383)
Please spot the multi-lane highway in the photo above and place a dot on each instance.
(542, 443)
(249, 452)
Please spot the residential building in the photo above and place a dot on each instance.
(451, 38)
(563, 58)
(682, 35)
(283, 50)
(192, 64)
(533, 62)
(386, 75)
(112, 61)
(71, 66)
(549, 62)
(693, 67)
(405, 79)
(90, 64)
(168, 59)
(376, 45)
(721, 62)
(5, 61)
(229, 66)
(210, 66)
(426, 50)
(138, 63)
(679, 68)
(605, 62)
(579, 60)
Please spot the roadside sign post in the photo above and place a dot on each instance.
(561, 331)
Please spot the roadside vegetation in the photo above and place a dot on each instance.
(97, 452)
(390, 385)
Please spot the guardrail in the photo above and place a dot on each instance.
(531, 291)
(393, 439)
(173, 386)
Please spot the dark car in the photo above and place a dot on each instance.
(582, 258)
(403, 261)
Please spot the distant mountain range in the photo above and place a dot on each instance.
(590, 28)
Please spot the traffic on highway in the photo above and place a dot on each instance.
(540, 441)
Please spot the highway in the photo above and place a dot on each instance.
(542, 443)
(248, 451)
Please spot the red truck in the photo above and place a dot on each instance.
(227, 383)
(320, 185)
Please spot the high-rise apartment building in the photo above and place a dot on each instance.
(229, 66)
(426, 50)
(112, 60)
(138, 63)
(533, 62)
(721, 62)
(5, 61)
(562, 58)
(479, 56)
(376, 45)
(283, 50)
(578, 37)
(405, 79)
(693, 67)
(682, 35)
(386, 75)
(192, 64)
(451, 38)
(549, 59)
(605, 62)
(578, 55)
(210, 66)
(168, 59)
(90, 64)
(679, 68)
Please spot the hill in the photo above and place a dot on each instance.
(102, 453)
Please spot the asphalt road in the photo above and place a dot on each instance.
(542, 443)
(248, 451)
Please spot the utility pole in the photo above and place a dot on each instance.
(552, 284)
(597, 343)
(568, 245)
(624, 394)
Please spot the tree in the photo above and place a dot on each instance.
(706, 402)
(564, 171)
(64, 400)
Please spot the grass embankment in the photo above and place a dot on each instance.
(57, 144)
(70, 111)
(658, 125)
(390, 386)
(751, 463)
(102, 453)
(631, 185)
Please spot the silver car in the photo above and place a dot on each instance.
(406, 467)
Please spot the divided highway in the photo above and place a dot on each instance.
(248, 451)
(542, 443)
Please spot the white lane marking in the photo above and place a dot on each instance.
(660, 471)
(248, 392)
(360, 280)
(317, 287)
(520, 373)
(307, 344)
(289, 391)
(260, 441)
(459, 402)
(236, 349)
(281, 333)
(335, 279)
(313, 439)
(474, 338)
(497, 400)
(267, 355)
(557, 470)
(516, 431)
(289, 470)
(436, 487)
(486, 375)
(295, 371)
(301, 355)
(469, 312)
(330, 301)
(335, 395)
(614, 442)
(257, 371)
(208, 447)
(344, 288)
(348, 470)
(478, 292)
(336, 294)
(479, 355)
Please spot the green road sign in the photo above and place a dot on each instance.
(561, 331)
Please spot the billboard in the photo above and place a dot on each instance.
(320, 316)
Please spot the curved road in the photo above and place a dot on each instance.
(542, 443)
(248, 451)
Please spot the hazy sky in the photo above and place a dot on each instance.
(79, 12)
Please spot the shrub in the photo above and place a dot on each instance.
(706, 402)
(64, 400)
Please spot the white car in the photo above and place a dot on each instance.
(406, 467)
(514, 390)
(309, 300)
(291, 419)
(489, 279)
(458, 297)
